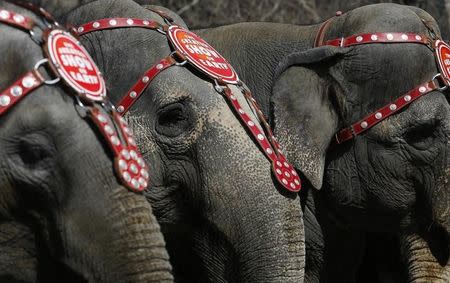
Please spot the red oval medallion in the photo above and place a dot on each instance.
(202, 55)
(75, 65)
(443, 57)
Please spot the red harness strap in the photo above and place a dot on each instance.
(283, 171)
(62, 51)
(442, 49)
(384, 112)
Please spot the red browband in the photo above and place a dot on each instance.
(283, 171)
(406, 99)
(57, 44)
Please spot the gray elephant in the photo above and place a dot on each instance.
(223, 217)
(390, 182)
(64, 215)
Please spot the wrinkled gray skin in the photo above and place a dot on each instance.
(389, 183)
(211, 187)
(64, 217)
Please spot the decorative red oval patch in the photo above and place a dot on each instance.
(202, 55)
(443, 57)
(75, 65)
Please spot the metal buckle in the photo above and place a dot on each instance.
(176, 55)
(441, 86)
(39, 64)
(220, 89)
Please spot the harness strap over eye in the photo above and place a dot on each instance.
(190, 48)
(70, 63)
(439, 82)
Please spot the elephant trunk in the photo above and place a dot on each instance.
(119, 239)
(273, 248)
(140, 250)
(421, 263)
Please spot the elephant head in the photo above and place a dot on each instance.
(222, 215)
(64, 215)
(394, 177)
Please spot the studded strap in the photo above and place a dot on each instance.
(17, 20)
(18, 90)
(113, 23)
(384, 112)
(283, 171)
(128, 162)
(378, 37)
(139, 87)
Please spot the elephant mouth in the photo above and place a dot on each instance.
(438, 239)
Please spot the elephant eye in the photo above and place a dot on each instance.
(421, 137)
(34, 149)
(174, 119)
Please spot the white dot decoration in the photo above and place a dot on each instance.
(279, 163)
(418, 37)
(4, 14)
(293, 185)
(109, 130)
(120, 109)
(404, 36)
(407, 98)
(278, 171)
(269, 150)
(294, 173)
(16, 91)
(28, 82)
(297, 181)
(102, 118)
(4, 100)
(359, 38)
(126, 176)
(145, 79)
(390, 36)
(113, 22)
(144, 173)
(115, 140)
(133, 154)
(134, 169)
(284, 181)
(233, 97)
(260, 137)
(287, 174)
(80, 29)
(378, 116)
(96, 24)
(422, 89)
(133, 94)
(364, 125)
(130, 22)
(241, 111)
(374, 37)
(159, 66)
(126, 154)
(135, 183)
(393, 107)
(146, 23)
(18, 19)
(142, 182)
(250, 123)
(123, 164)
(286, 164)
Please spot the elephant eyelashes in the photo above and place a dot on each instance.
(173, 120)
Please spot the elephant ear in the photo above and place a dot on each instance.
(304, 109)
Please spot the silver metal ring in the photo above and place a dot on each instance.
(437, 84)
(178, 63)
(41, 63)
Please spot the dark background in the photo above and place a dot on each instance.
(210, 13)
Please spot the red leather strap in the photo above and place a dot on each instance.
(384, 112)
(128, 162)
(283, 171)
(136, 91)
(112, 23)
(322, 29)
(19, 89)
(378, 37)
(17, 20)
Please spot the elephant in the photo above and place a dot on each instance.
(64, 215)
(385, 190)
(223, 217)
